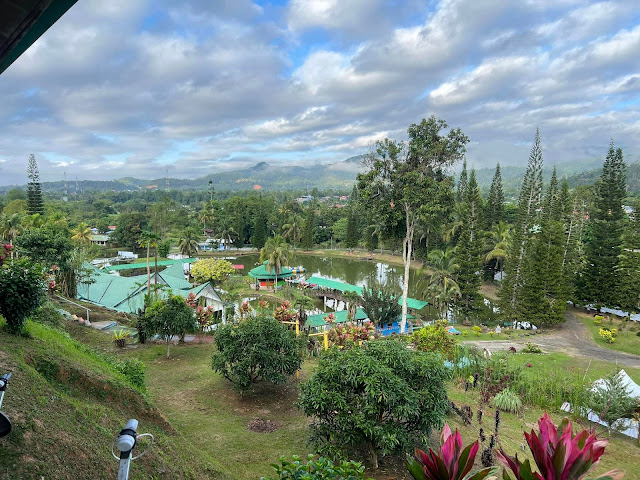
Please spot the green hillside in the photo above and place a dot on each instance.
(67, 401)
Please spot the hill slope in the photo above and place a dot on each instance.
(67, 402)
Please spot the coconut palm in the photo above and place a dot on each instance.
(227, 234)
(82, 233)
(498, 245)
(440, 276)
(353, 300)
(276, 252)
(303, 303)
(147, 240)
(188, 242)
(452, 228)
(292, 229)
(443, 296)
(205, 216)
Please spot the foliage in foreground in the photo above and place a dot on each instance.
(558, 454)
(322, 468)
(256, 349)
(22, 286)
(382, 398)
(451, 462)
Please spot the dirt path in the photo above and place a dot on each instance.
(572, 338)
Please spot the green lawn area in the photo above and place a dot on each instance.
(626, 340)
(212, 416)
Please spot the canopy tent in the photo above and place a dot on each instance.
(632, 387)
(262, 273)
(347, 287)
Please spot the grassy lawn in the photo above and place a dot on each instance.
(626, 340)
(208, 411)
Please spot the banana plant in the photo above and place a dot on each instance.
(451, 462)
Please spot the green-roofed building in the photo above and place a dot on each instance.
(126, 294)
(412, 303)
(318, 321)
(266, 277)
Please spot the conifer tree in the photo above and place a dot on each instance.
(34, 191)
(629, 266)
(259, 229)
(544, 291)
(462, 183)
(307, 229)
(527, 216)
(468, 251)
(601, 277)
(351, 238)
(495, 200)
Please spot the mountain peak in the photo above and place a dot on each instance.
(260, 166)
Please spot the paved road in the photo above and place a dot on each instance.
(572, 338)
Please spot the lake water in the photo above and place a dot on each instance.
(356, 272)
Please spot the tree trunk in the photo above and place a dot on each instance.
(406, 257)
(374, 456)
(148, 271)
(168, 348)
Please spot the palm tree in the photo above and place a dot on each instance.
(453, 227)
(188, 242)
(498, 245)
(82, 233)
(292, 229)
(33, 221)
(443, 296)
(441, 282)
(353, 300)
(227, 234)
(303, 303)
(10, 228)
(148, 239)
(276, 252)
(205, 216)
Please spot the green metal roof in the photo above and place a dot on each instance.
(23, 22)
(262, 272)
(341, 317)
(161, 263)
(347, 287)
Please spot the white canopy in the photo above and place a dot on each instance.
(632, 387)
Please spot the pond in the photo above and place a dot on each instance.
(357, 272)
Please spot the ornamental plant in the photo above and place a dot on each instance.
(558, 454)
(435, 338)
(451, 462)
(606, 335)
(5, 251)
(347, 335)
(285, 313)
(211, 270)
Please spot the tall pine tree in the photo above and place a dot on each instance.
(495, 200)
(462, 184)
(307, 229)
(468, 251)
(601, 277)
(629, 266)
(259, 228)
(544, 290)
(351, 238)
(34, 191)
(527, 217)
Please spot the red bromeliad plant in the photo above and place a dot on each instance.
(558, 454)
(5, 251)
(451, 462)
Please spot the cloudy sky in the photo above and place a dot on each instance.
(133, 87)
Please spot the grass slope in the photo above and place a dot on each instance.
(66, 404)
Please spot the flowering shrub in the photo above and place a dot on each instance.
(329, 319)
(5, 251)
(345, 335)
(263, 304)
(606, 335)
(477, 330)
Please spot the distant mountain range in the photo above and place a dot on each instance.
(337, 176)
